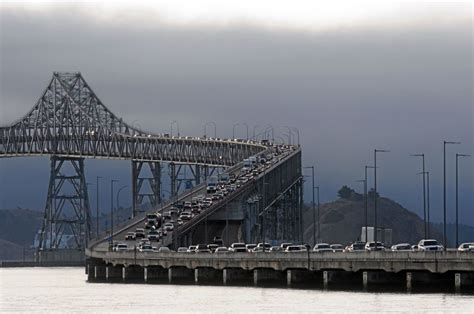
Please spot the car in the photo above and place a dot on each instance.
(168, 226)
(130, 236)
(153, 235)
(295, 248)
(212, 247)
(164, 249)
(401, 247)
(145, 248)
(179, 221)
(238, 248)
(370, 246)
(221, 249)
(120, 247)
(414, 247)
(284, 245)
(140, 233)
(202, 248)
(466, 247)
(266, 247)
(356, 247)
(322, 247)
(337, 247)
(429, 245)
(250, 247)
(182, 249)
(191, 249)
(276, 248)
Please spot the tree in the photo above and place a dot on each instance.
(345, 192)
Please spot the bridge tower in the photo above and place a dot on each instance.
(139, 189)
(66, 221)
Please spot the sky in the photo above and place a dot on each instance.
(351, 77)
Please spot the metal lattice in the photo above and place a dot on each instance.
(70, 120)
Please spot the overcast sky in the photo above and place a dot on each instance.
(351, 77)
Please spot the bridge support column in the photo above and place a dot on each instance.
(207, 274)
(298, 276)
(99, 272)
(380, 277)
(180, 274)
(113, 273)
(263, 275)
(428, 280)
(236, 275)
(463, 279)
(155, 274)
(132, 273)
(340, 277)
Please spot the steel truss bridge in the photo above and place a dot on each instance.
(69, 123)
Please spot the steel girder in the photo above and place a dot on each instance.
(70, 120)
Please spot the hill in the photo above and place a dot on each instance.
(342, 220)
(19, 225)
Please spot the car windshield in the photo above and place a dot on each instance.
(432, 242)
(324, 246)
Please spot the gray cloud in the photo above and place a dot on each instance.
(348, 90)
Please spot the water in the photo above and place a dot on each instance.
(66, 290)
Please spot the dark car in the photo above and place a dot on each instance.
(202, 248)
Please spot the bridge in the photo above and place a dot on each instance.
(69, 124)
(403, 269)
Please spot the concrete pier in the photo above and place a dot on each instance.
(340, 277)
(113, 273)
(378, 278)
(180, 274)
(155, 274)
(303, 276)
(132, 273)
(267, 275)
(207, 275)
(99, 272)
(236, 275)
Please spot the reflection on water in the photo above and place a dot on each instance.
(66, 290)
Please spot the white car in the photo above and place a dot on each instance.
(164, 249)
(121, 247)
(401, 247)
(371, 246)
(182, 249)
(221, 249)
(466, 247)
(337, 248)
(322, 247)
(429, 245)
(168, 226)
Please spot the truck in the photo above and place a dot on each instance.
(211, 185)
(224, 178)
(247, 165)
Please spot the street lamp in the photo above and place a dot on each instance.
(424, 191)
(97, 205)
(118, 201)
(457, 201)
(112, 210)
(177, 126)
(375, 190)
(427, 173)
(205, 128)
(297, 134)
(366, 203)
(314, 205)
(233, 129)
(445, 240)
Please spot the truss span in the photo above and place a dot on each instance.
(70, 120)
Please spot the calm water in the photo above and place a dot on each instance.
(65, 290)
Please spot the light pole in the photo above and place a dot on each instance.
(366, 210)
(365, 204)
(254, 128)
(205, 128)
(233, 129)
(97, 206)
(424, 190)
(118, 201)
(177, 126)
(247, 129)
(375, 191)
(445, 240)
(297, 134)
(319, 215)
(314, 205)
(428, 201)
(112, 210)
(457, 199)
